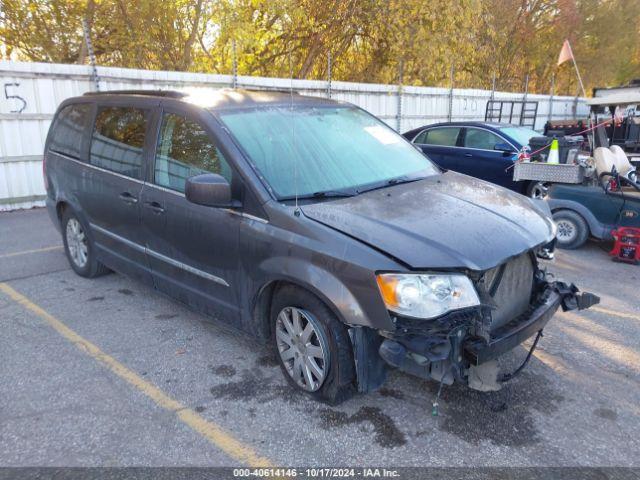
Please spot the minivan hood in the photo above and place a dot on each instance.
(441, 222)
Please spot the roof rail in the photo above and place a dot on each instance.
(150, 93)
(271, 89)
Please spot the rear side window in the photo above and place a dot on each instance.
(185, 150)
(482, 139)
(118, 140)
(446, 137)
(69, 127)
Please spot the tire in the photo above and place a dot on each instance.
(573, 231)
(537, 189)
(330, 338)
(79, 247)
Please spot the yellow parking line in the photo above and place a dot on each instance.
(26, 252)
(615, 313)
(212, 432)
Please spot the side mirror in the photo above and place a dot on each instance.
(208, 189)
(505, 148)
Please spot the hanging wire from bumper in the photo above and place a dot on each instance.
(509, 376)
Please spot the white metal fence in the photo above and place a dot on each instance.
(31, 93)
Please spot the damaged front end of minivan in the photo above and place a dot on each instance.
(515, 301)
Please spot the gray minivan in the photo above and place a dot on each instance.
(307, 223)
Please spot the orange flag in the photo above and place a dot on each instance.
(565, 53)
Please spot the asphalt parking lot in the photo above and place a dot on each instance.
(107, 372)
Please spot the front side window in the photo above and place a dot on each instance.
(67, 133)
(307, 150)
(185, 150)
(118, 140)
(482, 139)
(521, 135)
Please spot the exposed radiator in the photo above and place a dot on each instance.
(510, 286)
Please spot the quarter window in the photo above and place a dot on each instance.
(185, 150)
(421, 138)
(69, 129)
(482, 139)
(118, 140)
(446, 137)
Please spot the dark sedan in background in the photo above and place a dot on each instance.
(480, 149)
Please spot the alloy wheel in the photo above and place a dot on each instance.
(302, 348)
(77, 243)
(539, 190)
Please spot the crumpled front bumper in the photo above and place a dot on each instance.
(514, 333)
(465, 350)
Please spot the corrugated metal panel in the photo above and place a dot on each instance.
(21, 184)
(34, 90)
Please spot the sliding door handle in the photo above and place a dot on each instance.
(126, 197)
(155, 207)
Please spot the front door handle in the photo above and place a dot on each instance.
(468, 155)
(126, 197)
(155, 207)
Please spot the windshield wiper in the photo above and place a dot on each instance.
(352, 192)
(335, 193)
(392, 181)
(346, 192)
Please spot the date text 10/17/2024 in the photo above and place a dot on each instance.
(316, 472)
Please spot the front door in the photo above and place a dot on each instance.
(111, 196)
(192, 249)
(478, 157)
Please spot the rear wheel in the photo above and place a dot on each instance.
(537, 189)
(312, 345)
(79, 247)
(573, 230)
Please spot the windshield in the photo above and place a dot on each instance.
(520, 134)
(309, 150)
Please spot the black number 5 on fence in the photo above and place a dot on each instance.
(17, 97)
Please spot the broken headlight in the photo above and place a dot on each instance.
(426, 295)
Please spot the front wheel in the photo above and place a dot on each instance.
(312, 345)
(573, 231)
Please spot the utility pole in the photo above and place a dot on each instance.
(234, 80)
(92, 57)
(493, 87)
(553, 87)
(329, 74)
(399, 97)
(450, 114)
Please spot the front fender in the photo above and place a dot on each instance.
(320, 281)
(370, 368)
(598, 229)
